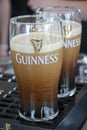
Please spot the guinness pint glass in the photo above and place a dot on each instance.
(71, 28)
(37, 54)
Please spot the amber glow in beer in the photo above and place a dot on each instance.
(37, 72)
(72, 42)
(72, 29)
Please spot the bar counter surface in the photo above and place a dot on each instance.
(72, 116)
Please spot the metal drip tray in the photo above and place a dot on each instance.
(9, 105)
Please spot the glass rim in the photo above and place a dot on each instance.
(13, 20)
(68, 8)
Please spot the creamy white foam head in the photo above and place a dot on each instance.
(22, 42)
(76, 27)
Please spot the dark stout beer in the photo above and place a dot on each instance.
(72, 41)
(37, 60)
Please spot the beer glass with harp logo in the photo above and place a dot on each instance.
(37, 54)
(71, 28)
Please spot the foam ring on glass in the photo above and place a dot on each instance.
(37, 54)
(72, 29)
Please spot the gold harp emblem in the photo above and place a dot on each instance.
(67, 29)
(37, 44)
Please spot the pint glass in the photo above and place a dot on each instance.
(37, 54)
(71, 28)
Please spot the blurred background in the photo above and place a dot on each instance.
(11, 8)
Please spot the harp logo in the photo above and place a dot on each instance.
(37, 44)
